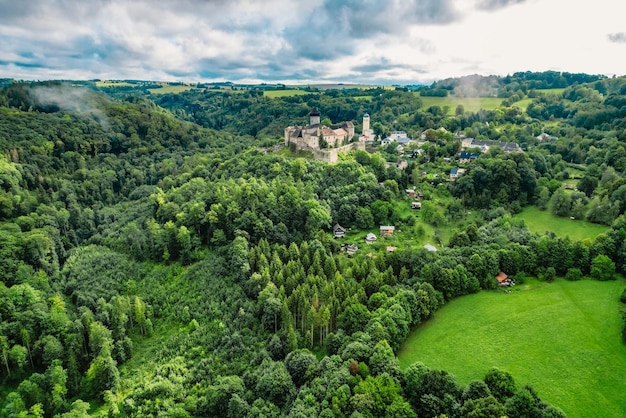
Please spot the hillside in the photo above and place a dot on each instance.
(162, 254)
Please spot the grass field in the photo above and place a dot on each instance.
(170, 89)
(562, 338)
(523, 104)
(113, 84)
(552, 91)
(285, 93)
(470, 104)
(540, 221)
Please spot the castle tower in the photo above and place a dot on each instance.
(366, 123)
(314, 116)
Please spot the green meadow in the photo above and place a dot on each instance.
(540, 221)
(562, 338)
(285, 93)
(174, 89)
(552, 91)
(474, 104)
(113, 83)
(470, 104)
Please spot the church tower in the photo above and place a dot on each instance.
(314, 116)
(366, 123)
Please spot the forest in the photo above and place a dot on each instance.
(163, 255)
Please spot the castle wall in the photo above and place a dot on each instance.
(331, 155)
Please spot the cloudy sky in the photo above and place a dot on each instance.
(294, 41)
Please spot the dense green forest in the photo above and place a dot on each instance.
(163, 256)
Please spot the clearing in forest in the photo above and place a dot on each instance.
(562, 338)
(541, 221)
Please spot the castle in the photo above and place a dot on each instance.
(308, 137)
(326, 142)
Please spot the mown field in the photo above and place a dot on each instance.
(113, 83)
(552, 91)
(474, 104)
(470, 104)
(540, 221)
(171, 89)
(562, 338)
(285, 93)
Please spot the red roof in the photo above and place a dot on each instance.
(502, 277)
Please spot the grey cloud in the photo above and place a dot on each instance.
(496, 4)
(334, 28)
(365, 19)
(383, 71)
(270, 70)
(619, 37)
(270, 39)
(15, 12)
(379, 64)
(12, 10)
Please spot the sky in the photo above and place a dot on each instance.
(304, 42)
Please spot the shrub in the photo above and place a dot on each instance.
(548, 275)
(574, 274)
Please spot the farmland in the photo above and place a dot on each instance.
(171, 88)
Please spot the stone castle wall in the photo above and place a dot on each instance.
(331, 155)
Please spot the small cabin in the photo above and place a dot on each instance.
(350, 249)
(370, 238)
(416, 205)
(339, 231)
(504, 280)
(387, 230)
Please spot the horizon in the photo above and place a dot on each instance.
(314, 84)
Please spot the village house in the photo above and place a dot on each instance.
(387, 230)
(504, 280)
(545, 137)
(338, 231)
(350, 249)
(370, 238)
(466, 157)
(416, 205)
(456, 172)
(485, 144)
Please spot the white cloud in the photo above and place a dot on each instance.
(257, 40)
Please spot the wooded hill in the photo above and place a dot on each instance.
(157, 257)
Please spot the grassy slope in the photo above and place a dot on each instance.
(171, 89)
(541, 221)
(474, 104)
(285, 93)
(113, 84)
(562, 338)
(470, 104)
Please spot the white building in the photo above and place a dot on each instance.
(368, 134)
